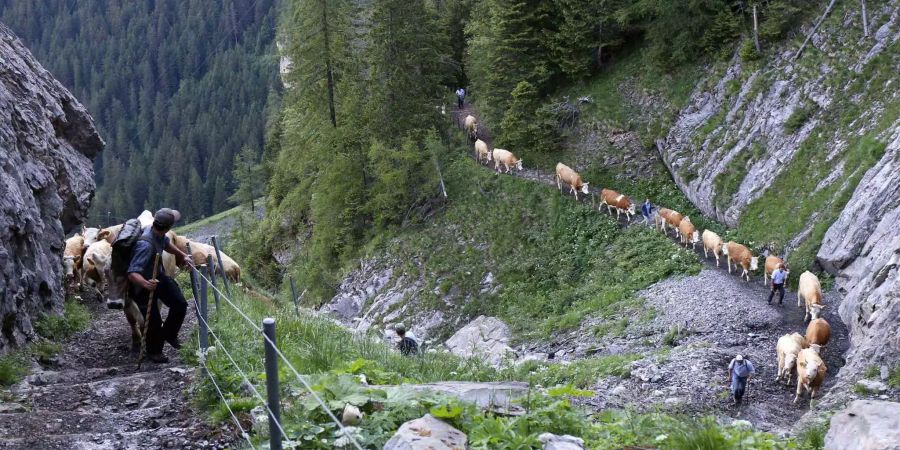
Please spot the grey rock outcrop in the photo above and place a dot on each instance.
(47, 145)
(565, 442)
(427, 433)
(489, 395)
(865, 425)
(485, 337)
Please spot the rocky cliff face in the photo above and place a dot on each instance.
(832, 117)
(47, 145)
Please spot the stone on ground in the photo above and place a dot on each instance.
(865, 425)
(427, 433)
(565, 442)
(485, 337)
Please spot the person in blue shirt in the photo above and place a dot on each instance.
(646, 210)
(779, 277)
(140, 277)
(739, 372)
(460, 97)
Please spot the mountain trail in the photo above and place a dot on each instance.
(92, 396)
(722, 314)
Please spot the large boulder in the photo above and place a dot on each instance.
(47, 146)
(427, 433)
(565, 442)
(485, 337)
(865, 425)
(496, 396)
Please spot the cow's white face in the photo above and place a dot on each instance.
(632, 209)
(584, 189)
(695, 238)
(724, 249)
(754, 263)
(789, 361)
(90, 236)
(811, 369)
(815, 311)
(519, 165)
(69, 266)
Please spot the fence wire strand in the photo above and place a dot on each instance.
(284, 358)
(237, 422)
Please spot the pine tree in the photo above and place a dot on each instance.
(248, 173)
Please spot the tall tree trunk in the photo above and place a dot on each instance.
(811, 33)
(755, 30)
(329, 70)
(599, 55)
(865, 19)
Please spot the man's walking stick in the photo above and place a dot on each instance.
(151, 299)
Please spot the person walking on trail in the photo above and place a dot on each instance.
(646, 210)
(460, 97)
(739, 372)
(408, 346)
(145, 290)
(779, 277)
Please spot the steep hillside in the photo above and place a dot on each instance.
(177, 89)
(47, 144)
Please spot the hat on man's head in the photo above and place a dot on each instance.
(165, 218)
(739, 358)
(400, 328)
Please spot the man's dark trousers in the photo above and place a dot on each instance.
(780, 289)
(167, 292)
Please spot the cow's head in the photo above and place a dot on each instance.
(725, 249)
(584, 189)
(809, 368)
(90, 236)
(631, 208)
(69, 266)
(519, 165)
(754, 263)
(815, 310)
(816, 348)
(789, 361)
(695, 238)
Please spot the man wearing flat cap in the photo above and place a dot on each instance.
(145, 289)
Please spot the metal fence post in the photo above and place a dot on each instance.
(272, 390)
(294, 296)
(212, 279)
(204, 333)
(219, 259)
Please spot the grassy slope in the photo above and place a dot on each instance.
(557, 261)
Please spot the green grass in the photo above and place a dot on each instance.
(729, 180)
(813, 437)
(582, 373)
(13, 367)
(75, 318)
(799, 117)
(894, 377)
(205, 222)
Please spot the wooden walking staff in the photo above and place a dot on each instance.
(151, 299)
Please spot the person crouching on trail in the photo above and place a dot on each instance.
(408, 346)
(145, 289)
(739, 371)
(779, 277)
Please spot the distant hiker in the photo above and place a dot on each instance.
(460, 97)
(739, 372)
(408, 345)
(646, 210)
(152, 242)
(779, 277)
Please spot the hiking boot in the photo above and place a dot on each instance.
(158, 358)
(175, 343)
(115, 304)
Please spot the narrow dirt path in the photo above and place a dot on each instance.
(718, 296)
(95, 397)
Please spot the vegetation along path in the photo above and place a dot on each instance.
(707, 309)
(93, 396)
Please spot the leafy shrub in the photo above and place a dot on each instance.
(813, 437)
(797, 118)
(748, 51)
(75, 318)
(894, 377)
(13, 367)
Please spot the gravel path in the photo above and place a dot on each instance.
(94, 397)
(720, 315)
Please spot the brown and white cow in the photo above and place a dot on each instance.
(72, 261)
(471, 125)
(741, 256)
(818, 332)
(811, 371)
(712, 243)
(507, 158)
(482, 151)
(772, 263)
(620, 202)
(688, 232)
(669, 217)
(97, 260)
(565, 174)
(809, 293)
(788, 348)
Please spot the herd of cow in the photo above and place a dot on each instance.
(87, 261)
(796, 353)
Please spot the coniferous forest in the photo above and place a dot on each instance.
(177, 89)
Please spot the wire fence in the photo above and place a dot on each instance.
(202, 280)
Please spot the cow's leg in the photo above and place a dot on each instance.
(728, 260)
(558, 184)
(799, 389)
(780, 367)
(799, 299)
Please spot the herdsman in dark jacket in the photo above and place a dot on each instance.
(143, 288)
